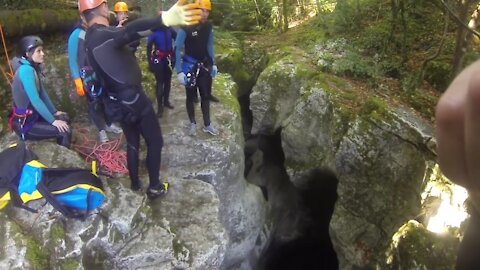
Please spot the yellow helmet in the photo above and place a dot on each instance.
(205, 4)
(120, 7)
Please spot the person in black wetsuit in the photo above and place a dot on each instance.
(160, 62)
(34, 117)
(120, 73)
(196, 67)
(457, 124)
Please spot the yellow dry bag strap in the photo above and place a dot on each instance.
(94, 168)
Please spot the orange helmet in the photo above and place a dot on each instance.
(89, 4)
(205, 4)
(120, 7)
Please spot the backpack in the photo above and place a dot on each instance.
(12, 161)
(72, 191)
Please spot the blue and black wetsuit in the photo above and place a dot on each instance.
(108, 53)
(198, 44)
(77, 60)
(33, 109)
(160, 60)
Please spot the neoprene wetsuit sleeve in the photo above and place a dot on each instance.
(72, 54)
(48, 102)
(136, 30)
(179, 44)
(27, 76)
(149, 45)
(210, 51)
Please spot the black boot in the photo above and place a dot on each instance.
(160, 111)
(168, 105)
(214, 98)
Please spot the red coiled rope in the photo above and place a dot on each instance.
(111, 160)
(8, 75)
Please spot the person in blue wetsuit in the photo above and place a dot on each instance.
(198, 67)
(160, 61)
(109, 55)
(34, 117)
(78, 66)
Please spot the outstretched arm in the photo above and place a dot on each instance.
(178, 14)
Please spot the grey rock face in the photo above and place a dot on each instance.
(381, 162)
(210, 218)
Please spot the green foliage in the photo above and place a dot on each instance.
(57, 233)
(36, 255)
(417, 248)
(41, 4)
(69, 264)
(353, 64)
(244, 16)
(420, 101)
(375, 109)
(399, 36)
(438, 73)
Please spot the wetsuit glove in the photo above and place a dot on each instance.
(182, 78)
(214, 71)
(182, 14)
(79, 87)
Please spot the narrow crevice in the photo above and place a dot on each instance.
(299, 218)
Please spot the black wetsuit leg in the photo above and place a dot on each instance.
(467, 257)
(160, 79)
(191, 95)
(204, 84)
(42, 130)
(95, 111)
(167, 84)
(147, 126)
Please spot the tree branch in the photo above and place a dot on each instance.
(460, 22)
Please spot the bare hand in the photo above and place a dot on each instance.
(182, 14)
(458, 129)
(61, 125)
(120, 23)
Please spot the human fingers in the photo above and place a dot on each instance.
(450, 128)
(63, 127)
(191, 6)
(472, 131)
(192, 16)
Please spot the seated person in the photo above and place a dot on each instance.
(34, 117)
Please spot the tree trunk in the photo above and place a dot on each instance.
(36, 21)
(284, 15)
(258, 15)
(461, 40)
(317, 3)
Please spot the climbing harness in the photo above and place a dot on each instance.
(21, 116)
(158, 55)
